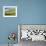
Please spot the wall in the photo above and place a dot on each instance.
(7, 25)
(29, 12)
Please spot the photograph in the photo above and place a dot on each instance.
(9, 11)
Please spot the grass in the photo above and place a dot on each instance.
(10, 12)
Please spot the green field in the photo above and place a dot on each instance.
(10, 12)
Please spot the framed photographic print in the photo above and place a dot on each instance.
(9, 11)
